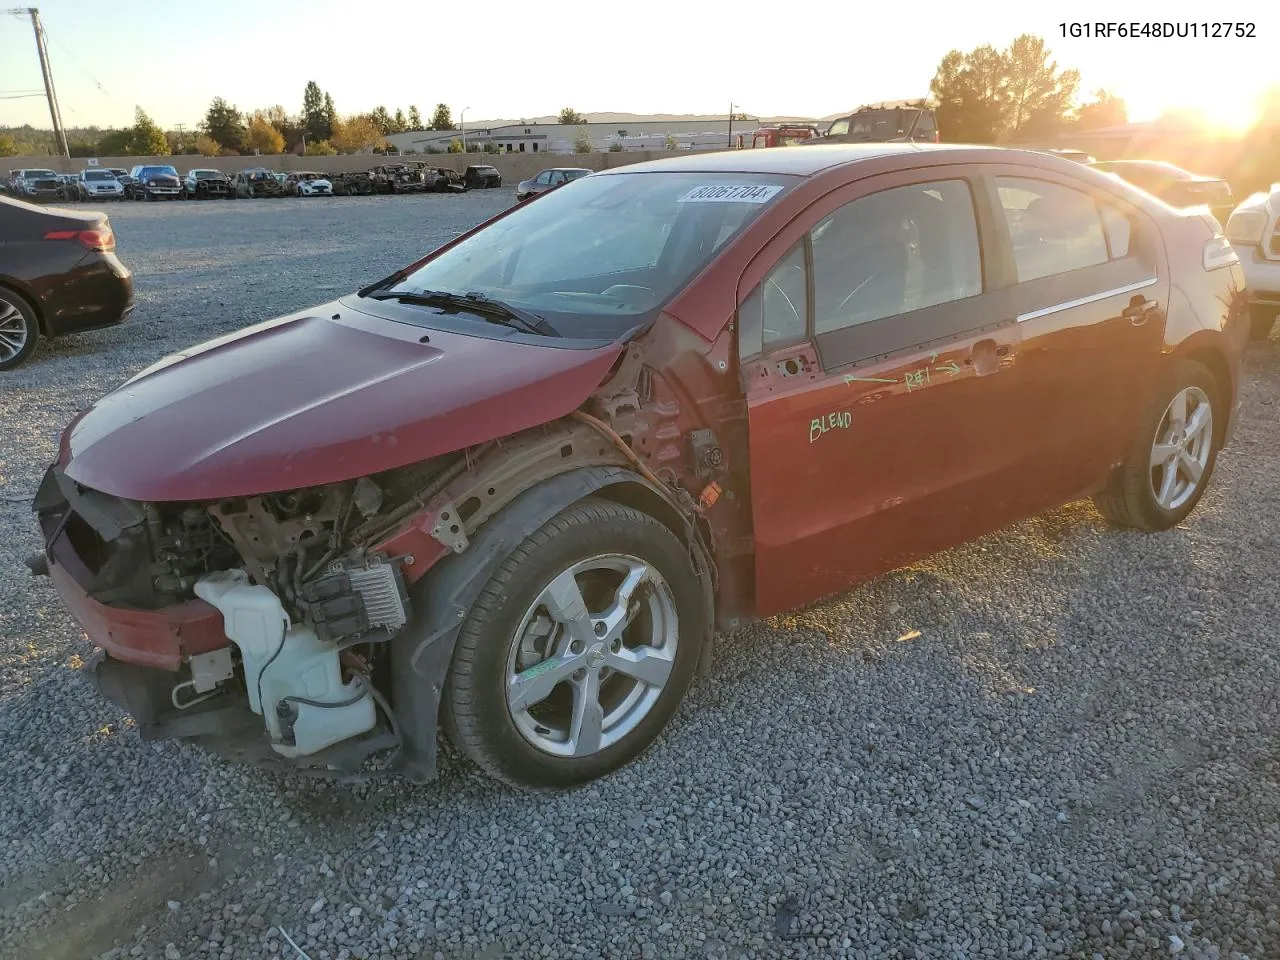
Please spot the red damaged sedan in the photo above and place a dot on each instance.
(516, 487)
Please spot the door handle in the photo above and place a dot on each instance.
(1139, 310)
(986, 355)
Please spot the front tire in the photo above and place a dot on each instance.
(1173, 456)
(19, 329)
(578, 650)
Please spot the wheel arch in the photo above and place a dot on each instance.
(25, 292)
(1214, 359)
(421, 654)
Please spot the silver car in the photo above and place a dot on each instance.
(549, 180)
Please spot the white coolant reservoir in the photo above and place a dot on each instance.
(290, 665)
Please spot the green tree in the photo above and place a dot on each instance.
(381, 119)
(320, 148)
(398, 122)
(442, 119)
(223, 123)
(329, 113)
(455, 146)
(1040, 96)
(147, 139)
(1105, 110)
(317, 112)
(571, 117)
(115, 143)
(582, 144)
(415, 118)
(8, 145)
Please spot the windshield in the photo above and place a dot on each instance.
(98, 175)
(40, 175)
(575, 174)
(595, 257)
(883, 124)
(205, 174)
(158, 172)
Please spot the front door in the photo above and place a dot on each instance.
(879, 360)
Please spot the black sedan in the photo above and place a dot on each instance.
(59, 275)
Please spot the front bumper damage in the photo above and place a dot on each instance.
(214, 657)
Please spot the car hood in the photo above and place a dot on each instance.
(316, 397)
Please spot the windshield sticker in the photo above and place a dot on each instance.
(731, 193)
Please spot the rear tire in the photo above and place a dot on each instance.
(19, 329)
(1261, 319)
(582, 559)
(1142, 494)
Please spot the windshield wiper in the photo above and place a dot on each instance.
(494, 311)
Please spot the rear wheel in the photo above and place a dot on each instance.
(578, 650)
(1261, 319)
(19, 329)
(1173, 457)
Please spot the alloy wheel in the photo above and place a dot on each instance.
(592, 655)
(13, 331)
(1182, 447)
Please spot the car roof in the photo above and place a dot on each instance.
(804, 161)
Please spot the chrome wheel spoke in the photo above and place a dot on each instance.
(1200, 419)
(1168, 483)
(587, 723)
(646, 664)
(530, 687)
(1162, 453)
(620, 613)
(563, 599)
(1190, 466)
(1178, 410)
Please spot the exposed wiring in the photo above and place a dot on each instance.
(362, 682)
(386, 708)
(604, 429)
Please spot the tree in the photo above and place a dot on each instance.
(415, 118)
(263, 137)
(1105, 110)
(455, 146)
(356, 135)
(442, 119)
(1039, 95)
(147, 139)
(224, 124)
(8, 146)
(670, 143)
(398, 122)
(206, 146)
(988, 95)
(115, 143)
(571, 117)
(320, 148)
(317, 112)
(582, 144)
(381, 119)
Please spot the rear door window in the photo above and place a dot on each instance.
(1053, 228)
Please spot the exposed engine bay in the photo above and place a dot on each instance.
(307, 612)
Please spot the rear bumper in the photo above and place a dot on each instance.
(97, 293)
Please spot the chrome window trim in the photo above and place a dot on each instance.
(1082, 301)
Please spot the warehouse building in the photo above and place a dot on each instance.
(557, 138)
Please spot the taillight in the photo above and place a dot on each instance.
(95, 238)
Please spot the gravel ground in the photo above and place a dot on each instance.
(1057, 741)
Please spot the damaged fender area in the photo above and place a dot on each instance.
(314, 628)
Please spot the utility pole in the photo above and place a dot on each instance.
(60, 135)
(731, 125)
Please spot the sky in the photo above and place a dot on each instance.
(801, 58)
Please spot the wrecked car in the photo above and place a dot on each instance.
(397, 178)
(515, 488)
(256, 182)
(353, 184)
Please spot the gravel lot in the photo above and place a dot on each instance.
(1075, 755)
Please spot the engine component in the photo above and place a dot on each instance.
(351, 600)
(294, 678)
(707, 452)
(367, 497)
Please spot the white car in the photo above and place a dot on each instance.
(309, 185)
(1254, 232)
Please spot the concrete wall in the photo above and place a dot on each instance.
(514, 167)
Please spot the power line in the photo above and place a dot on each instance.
(76, 61)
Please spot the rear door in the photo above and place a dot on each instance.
(1091, 298)
(877, 352)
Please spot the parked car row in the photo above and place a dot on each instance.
(164, 182)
